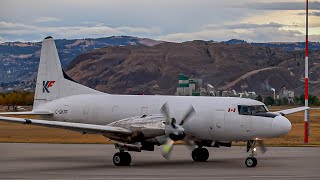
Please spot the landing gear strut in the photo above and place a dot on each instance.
(251, 161)
(122, 159)
(200, 154)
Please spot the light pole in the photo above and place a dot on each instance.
(306, 93)
(274, 93)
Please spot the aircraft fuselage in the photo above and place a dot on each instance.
(216, 118)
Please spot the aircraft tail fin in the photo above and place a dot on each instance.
(52, 81)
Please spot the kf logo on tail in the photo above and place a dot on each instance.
(47, 85)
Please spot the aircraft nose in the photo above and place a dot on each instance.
(280, 126)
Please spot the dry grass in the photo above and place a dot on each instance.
(10, 132)
(21, 133)
(296, 135)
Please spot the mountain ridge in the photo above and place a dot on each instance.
(120, 61)
(155, 70)
(19, 60)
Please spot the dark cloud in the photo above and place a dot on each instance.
(317, 13)
(250, 35)
(314, 5)
(250, 26)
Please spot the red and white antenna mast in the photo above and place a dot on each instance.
(306, 93)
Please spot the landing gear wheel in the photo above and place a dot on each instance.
(127, 158)
(200, 154)
(122, 159)
(251, 162)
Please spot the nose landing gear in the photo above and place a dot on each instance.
(251, 161)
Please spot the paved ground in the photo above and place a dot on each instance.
(74, 161)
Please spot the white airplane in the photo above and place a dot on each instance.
(139, 122)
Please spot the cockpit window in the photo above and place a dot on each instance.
(251, 110)
(260, 108)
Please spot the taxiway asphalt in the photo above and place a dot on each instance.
(92, 161)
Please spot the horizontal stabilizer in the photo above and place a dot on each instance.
(291, 111)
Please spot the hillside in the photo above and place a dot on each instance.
(289, 46)
(154, 70)
(19, 60)
(131, 65)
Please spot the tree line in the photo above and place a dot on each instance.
(16, 98)
(297, 100)
(21, 98)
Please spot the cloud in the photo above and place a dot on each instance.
(313, 13)
(314, 5)
(139, 29)
(274, 35)
(271, 32)
(178, 19)
(47, 19)
(249, 26)
(2, 39)
(98, 30)
(267, 32)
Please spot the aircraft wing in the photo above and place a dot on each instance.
(28, 113)
(293, 110)
(80, 127)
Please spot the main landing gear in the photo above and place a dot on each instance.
(251, 161)
(122, 159)
(200, 154)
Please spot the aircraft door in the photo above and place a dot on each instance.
(246, 125)
(231, 125)
(218, 123)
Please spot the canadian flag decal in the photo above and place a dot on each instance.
(232, 110)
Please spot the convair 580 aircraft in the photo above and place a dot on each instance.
(139, 122)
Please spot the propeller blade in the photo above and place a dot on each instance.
(262, 146)
(187, 115)
(167, 148)
(166, 113)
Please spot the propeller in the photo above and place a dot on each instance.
(174, 131)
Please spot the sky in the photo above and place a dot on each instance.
(169, 20)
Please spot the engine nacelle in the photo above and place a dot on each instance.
(143, 128)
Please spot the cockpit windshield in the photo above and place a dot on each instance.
(251, 110)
